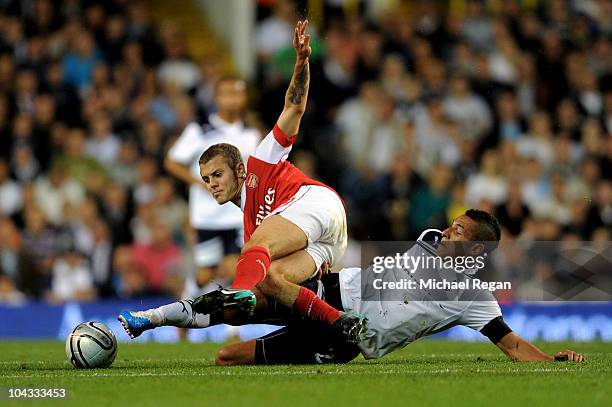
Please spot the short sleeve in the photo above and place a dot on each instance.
(480, 313)
(188, 146)
(275, 147)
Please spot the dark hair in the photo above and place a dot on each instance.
(229, 152)
(487, 229)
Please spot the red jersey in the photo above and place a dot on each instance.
(271, 180)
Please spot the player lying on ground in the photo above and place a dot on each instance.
(392, 324)
(286, 215)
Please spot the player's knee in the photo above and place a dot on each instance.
(276, 271)
(273, 282)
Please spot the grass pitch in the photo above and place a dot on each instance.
(428, 372)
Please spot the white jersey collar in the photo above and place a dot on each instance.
(243, 196)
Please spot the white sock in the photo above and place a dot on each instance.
(178, 314)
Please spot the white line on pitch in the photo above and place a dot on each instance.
(305, 372)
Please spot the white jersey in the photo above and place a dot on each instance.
(204, 211)
(393, 324)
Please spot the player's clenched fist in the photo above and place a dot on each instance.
(569, 355)
(301, 42)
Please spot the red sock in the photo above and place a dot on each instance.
(309, 305)
(251, 268)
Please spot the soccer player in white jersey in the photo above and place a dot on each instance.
(218, 228)
(393, 323)
(287, 217)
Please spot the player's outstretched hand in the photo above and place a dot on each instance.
(301, 42)
(569, 355)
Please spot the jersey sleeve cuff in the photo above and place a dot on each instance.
(281, 137)
(496, 329)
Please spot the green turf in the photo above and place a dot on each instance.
(435, 373)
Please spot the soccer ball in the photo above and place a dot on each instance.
(91, 345)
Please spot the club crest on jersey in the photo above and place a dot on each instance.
(252, 181)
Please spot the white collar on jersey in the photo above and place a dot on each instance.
(243, 196)
(429, 240)
(218, 122)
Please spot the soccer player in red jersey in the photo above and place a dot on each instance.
(288, 217)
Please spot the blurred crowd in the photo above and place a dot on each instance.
(91, 96)
(417, 111)
(433, 107)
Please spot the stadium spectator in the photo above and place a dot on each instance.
(86, 170)
(56, 190)
(128, 281)
(276, 31)
(433, 136)
(430, 202)
(158, 260)
(103, 145)
(100, 257)
(513, 211)
(603, 198)
(538, 144)
(467, 109)
(117, 211)
(124, 171)
(476, 27)
(488, 184)
(372, 145)
(41, 241)
(152, 139)
(144, 190)
(12, 263)
(71, 278)
(10, 192)
(8, 292)
(63, 93)
(205, 94)
(177, 68)
(395, 190)
(508, 124)
(79, 64)
(170, 209)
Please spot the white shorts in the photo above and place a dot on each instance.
(319, 212)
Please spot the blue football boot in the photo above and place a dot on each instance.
(135, 322)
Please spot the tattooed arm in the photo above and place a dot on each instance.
(297, 94)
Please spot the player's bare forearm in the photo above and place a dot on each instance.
(297, 93)
(519, 350)
(295, 100)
